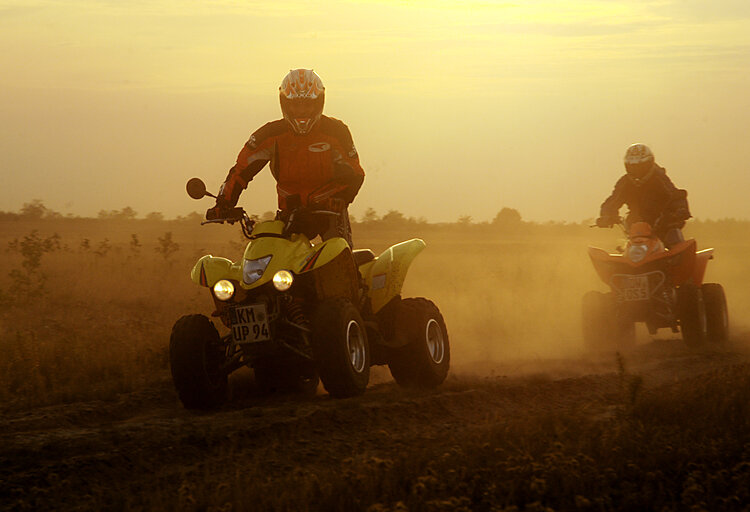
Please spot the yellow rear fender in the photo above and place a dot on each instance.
(385, 275)
(210, 269)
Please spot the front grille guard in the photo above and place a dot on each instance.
(661, 294)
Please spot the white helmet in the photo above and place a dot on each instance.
(302, 96)
(639, 161)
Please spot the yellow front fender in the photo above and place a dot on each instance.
(209, 269)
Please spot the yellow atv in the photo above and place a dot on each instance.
(298, 312)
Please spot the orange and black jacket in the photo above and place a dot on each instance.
(648, 200)
(309, 169)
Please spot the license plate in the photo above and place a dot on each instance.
(635, 288)
(250, 324)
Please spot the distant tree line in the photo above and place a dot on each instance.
(506, 220)
(36, 210)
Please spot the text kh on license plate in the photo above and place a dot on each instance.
(635, 288)
(250, 324)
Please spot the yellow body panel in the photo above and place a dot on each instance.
(295, 254)
(385, 275)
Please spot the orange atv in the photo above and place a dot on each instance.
(662, 287)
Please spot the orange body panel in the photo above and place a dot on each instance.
(701, 260)
(687, 265)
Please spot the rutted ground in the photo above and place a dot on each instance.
(145, 450)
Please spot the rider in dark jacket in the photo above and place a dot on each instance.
(650, 195)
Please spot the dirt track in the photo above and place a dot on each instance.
(145, 450)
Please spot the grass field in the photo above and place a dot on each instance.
(93, 421)
(89, 304)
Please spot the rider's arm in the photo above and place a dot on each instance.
(677, 208)
(611, 206)
(255, 154)
(348, 173)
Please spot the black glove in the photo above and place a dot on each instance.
(218, 212)
(673, 219)
(680, 214)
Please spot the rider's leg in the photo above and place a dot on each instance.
(339, 227)
(673, 237)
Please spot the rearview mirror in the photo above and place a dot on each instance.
(196, 188)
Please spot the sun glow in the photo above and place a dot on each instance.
(511, 94)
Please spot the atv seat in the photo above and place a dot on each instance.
(362, 256)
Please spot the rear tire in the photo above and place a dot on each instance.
(691, 311)
(196, 356)
(717, 316)
(340, 347)
(424, 361)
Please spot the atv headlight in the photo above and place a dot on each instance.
(223, 290)
(282, 280)
(637, 252)
(252, 270)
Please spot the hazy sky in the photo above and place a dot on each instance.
(457, 108)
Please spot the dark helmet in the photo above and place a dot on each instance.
(302, 96)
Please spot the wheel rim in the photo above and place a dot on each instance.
(435, 341)
(703, 319)
(724, 316)
(355, 342)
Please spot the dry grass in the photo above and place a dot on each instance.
(99, 323)
(92, 325)
(94, 322)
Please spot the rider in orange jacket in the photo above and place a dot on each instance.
(312, 157)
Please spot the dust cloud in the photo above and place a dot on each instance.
(513, 304)
(511, 299)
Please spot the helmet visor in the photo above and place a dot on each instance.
(640, 169)
(303, 108)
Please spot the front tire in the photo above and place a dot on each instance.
(601, 326)
(340, 347)
(196, 356)
(717, 316)
(424, 361)
(691, 310)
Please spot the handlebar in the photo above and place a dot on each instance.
(238, 214)
(619, 222)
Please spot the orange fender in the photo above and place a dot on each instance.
(701, 260)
